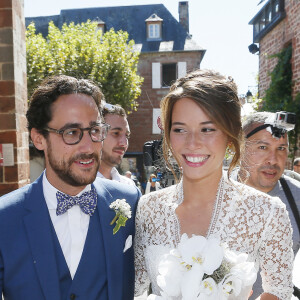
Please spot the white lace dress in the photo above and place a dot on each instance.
(247, 220)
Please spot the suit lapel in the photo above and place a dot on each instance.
(38, 228)
(113, 244)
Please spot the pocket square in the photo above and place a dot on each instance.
(128, 243)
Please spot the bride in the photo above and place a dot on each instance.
(201, 121)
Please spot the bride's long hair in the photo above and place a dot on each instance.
(217, 96)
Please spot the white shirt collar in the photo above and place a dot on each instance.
(115, 175)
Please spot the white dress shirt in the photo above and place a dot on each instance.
(115, 175)
(71, 227)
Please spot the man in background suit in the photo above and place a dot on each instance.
(56, 237)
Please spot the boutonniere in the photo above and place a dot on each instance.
(123, 213)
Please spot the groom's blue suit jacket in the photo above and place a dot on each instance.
(28, 264)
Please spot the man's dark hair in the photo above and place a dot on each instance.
(296, 161)
(39, 113)
(112, 109)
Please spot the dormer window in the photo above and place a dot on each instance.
(153, 31)
(154, 28)
(100, 25)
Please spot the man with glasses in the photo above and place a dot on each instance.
(116, 143)
(57, 238)
(262, 167)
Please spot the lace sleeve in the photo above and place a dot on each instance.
(142, 280)
(276, 255)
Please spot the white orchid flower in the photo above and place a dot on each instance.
(190, 285)
(208, 289)
(230, 285)
(207, 253)
(245, 271)
(170, 275)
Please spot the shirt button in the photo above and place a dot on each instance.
(72, 296)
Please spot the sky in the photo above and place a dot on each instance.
(221, 27)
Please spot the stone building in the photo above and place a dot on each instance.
(167, 51)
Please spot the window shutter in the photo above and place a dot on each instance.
(156, 81)
(181, 69)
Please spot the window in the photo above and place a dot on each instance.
(100, 25)
(100, 28)
(168, 74)
(269, 16)
(163, 75)
(154, 28)
(154, 31)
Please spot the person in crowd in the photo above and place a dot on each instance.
(292, 174)
(56, 241)
(128, 174)
(201, 119)
(296, 165)
(134, 179)
(152, 184)
(262, 167)
(115, 144)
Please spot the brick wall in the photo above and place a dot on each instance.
(286, 32)
(13, 94)
(141, 121)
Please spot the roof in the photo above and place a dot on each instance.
(127, 18)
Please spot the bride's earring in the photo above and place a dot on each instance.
(229, 153)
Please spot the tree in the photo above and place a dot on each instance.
(279, 94)
(83, 52)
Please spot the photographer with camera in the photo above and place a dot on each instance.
(263, 163)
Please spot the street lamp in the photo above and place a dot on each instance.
(249, 97)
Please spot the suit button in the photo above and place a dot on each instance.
(72, 296)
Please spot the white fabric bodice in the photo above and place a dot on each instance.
(247, 220)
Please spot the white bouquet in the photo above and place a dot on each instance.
(201, 268)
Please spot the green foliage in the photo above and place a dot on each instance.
(279, 95)
(81, 51)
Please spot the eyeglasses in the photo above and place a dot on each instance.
(72, 136)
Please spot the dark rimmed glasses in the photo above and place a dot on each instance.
(72, 136)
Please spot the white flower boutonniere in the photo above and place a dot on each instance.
(123, 213)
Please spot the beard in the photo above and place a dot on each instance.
(109, 160)
(63, 169)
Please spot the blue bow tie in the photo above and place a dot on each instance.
(87, 202)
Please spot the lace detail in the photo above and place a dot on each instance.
(247, 220)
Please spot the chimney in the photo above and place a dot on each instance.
(183, 10)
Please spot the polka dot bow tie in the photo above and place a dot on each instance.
(87, 202)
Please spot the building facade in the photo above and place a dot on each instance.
(167, 52)
(275, 27)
